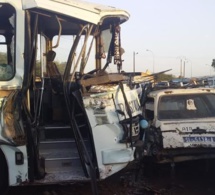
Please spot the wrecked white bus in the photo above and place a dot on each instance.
(68, 120)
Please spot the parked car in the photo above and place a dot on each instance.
(162, 84)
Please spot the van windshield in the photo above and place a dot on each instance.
(187, 106)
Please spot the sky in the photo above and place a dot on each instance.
(176, 33)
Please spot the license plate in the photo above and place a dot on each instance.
(201, 139)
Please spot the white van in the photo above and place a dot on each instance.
(181, 124)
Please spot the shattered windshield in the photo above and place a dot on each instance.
(186, 106)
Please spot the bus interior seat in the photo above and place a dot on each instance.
(54, 74)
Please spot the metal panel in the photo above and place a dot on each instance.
(17, 173)
(90, 12)
(117, 156)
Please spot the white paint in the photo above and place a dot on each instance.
(182, 133)
(16, 172)
(112, 155)
(78, 9)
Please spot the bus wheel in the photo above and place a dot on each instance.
(3, 174)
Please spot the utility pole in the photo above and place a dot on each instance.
(153, 60)
(184, 70)
(134, 55)
(181, 69)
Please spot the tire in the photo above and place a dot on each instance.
(3, 174)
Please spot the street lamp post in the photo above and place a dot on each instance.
(182, 58)
(181, 68)
(184, 68)
(134, 55)
(185, 61)
(152, 59)
(191, 68)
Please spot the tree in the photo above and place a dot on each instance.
(213, 63)
(61, 66)
(3, 58)
(164, 77)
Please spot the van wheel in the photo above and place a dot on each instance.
(3, 174)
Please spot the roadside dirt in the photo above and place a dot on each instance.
(187, 178)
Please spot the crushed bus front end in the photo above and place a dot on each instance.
(64, 117)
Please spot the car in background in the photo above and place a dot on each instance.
(162, 84)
